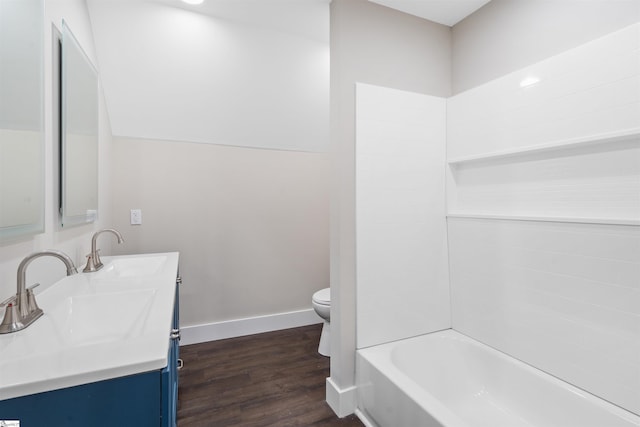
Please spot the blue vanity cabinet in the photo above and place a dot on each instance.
(170, 373)
(125, 401)
(141, 400)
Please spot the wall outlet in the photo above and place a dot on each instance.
(136, 216)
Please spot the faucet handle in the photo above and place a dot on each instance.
(91, 266)
(11, 321)
(9, 300)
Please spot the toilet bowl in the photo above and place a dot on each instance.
(321, 302)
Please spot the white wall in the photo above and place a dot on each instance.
(75, 241)
(401, 243)
(506, 35)
(589, 90)
(175, 74)
(252, 226)
(586, 95)
(221, 120)
(375, 45)
(544, 204)
(564, 298)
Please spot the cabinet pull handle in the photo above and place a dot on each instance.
(179, 280)
(180, 364)
(175, 334)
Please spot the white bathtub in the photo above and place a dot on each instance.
(447, 379)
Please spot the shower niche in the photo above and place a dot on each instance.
(565, 148)
(592, 180)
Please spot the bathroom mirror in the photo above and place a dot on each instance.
(21, 118)
(79, 134)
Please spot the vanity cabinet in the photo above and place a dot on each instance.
(170, 372)
(141, 400)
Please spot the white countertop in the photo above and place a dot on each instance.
(96, 326)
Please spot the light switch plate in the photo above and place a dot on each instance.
(136, 216)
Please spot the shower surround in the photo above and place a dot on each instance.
(542, 226)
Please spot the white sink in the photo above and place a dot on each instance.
(102, 317)
(112, 323)
(137, 266)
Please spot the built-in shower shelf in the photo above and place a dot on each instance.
(545, 218)
(625, 136)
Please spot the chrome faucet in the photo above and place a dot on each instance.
(93, 259)
(22, 309)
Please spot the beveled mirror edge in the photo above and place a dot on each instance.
(65, 220)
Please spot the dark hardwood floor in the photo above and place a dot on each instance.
(271, 379)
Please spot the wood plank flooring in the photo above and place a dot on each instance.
(271, 379)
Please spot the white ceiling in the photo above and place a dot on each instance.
(447, 12)
(307, 18)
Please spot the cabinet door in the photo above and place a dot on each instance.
(170, 389)
(170, 372)
(126, 401)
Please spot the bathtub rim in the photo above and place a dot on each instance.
(381, 355)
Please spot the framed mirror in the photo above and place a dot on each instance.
(79, 134)
(21, 118)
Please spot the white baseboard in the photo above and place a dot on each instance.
(365, 420)
(342, 401)
(248, 326)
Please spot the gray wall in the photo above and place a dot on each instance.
(380, 46)
(251, 226)
(506, 35)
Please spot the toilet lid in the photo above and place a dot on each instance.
(323, 296)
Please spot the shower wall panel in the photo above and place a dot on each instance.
(402, 274)
(543, 191)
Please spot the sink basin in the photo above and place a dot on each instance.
(105, 317)
(139, 266)
(111, 323)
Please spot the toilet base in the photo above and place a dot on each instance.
(324, 348)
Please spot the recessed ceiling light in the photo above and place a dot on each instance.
(193, 1)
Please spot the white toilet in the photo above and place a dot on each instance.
(321, 302)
